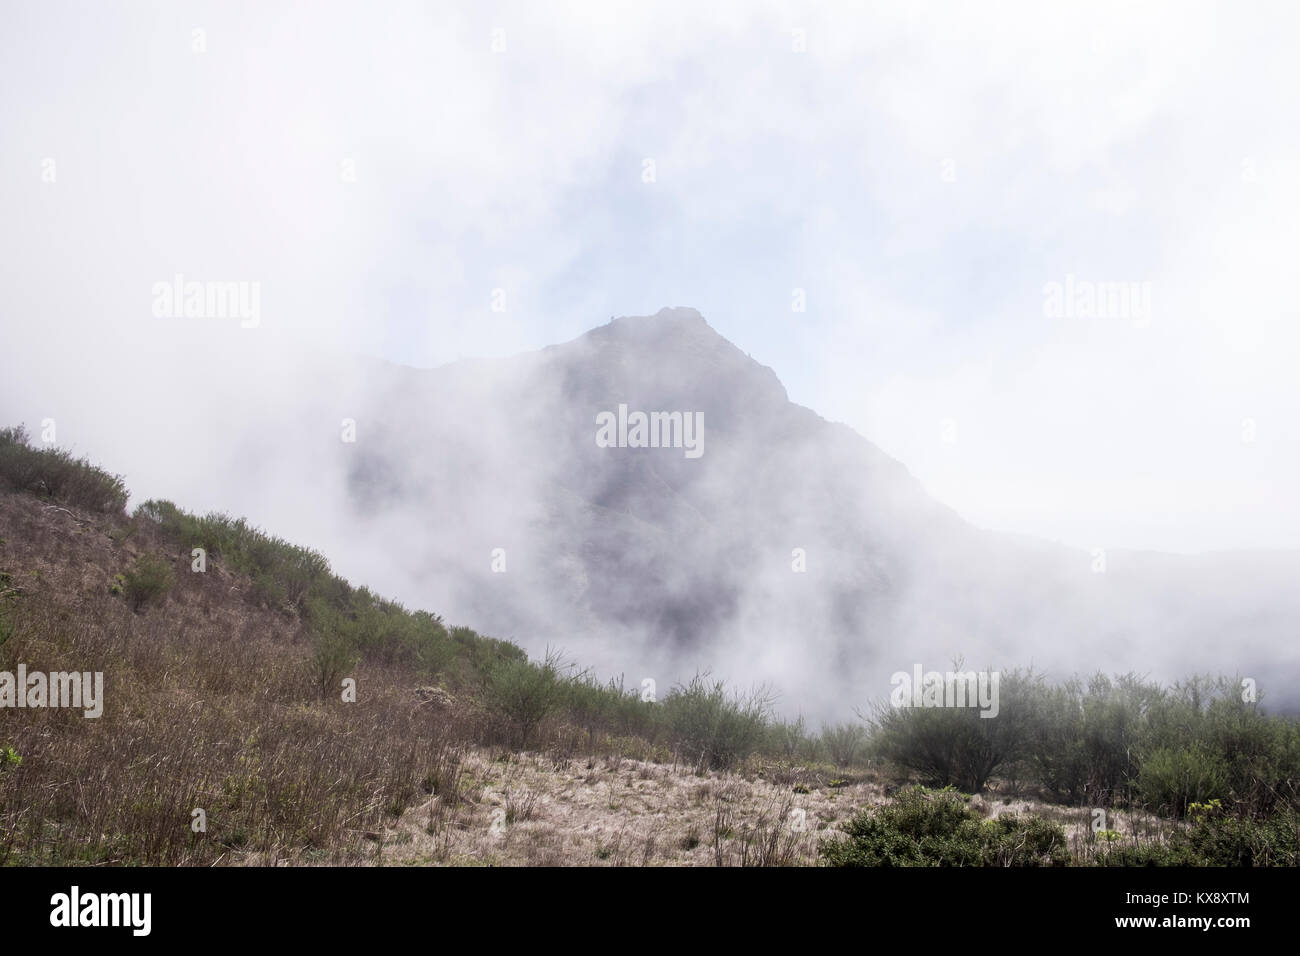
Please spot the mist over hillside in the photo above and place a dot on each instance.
(785, 549)
(791, 551)
(1085, 275)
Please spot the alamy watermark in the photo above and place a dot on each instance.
(73, 689)
(75, 908)
(651, 430)
(946, 689)
(1084, 299)
(180, 299)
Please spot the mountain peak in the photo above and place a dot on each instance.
(680, 338)
(675, 320)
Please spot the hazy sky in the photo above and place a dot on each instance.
(921, 170)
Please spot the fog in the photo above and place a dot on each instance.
(868, 204)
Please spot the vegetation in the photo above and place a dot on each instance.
(150, 579)
(715, 728)
(523, 694)
(844, 743)
(923, 827)
(1106, 742)
(345, 622)
(53, 474)
(1217, 837)
(227, 697)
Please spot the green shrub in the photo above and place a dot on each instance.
(282, 572)
(924, 827)
(297, 579)
(1216, 837)
(150, 578)
(523, 694)
(956, 745)
(1083, 738)
(1171, 779)
(611, 707)
(266, 590)
(714, 728)
(1260, 754)
(1118, 740)
(788, 738)
(844, 743)
(332, 658)
(54, 474)
(1220, 839)
(811, 749)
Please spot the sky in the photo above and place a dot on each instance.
(872, 199)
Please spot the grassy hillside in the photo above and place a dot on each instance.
(302, 719)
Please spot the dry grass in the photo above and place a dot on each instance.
(209, 705)
(619, 811)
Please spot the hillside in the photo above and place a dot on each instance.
(255, 708)
(221, 696)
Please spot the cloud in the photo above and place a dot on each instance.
(919, 171)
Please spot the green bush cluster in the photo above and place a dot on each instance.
(150, 578)
(523, 694)
(1216, 837)
(788, 738)
(54, 474)
(1106, 741)
(926, 827)
(347, 623)
(1083, 742)
(956, 745)
(711, 726)
(281, 572)
(844, 743)
(716, 728)
(610, 707)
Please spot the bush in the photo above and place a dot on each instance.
(297, 579)
(788, 738)
(54, 474)
(1170, 779)
(610, 707)
(715, 729)
(523, 694)
(1105, 741)
(1220, 839)
(924, 827)
(844, 742)
(1258, 756)
(957, 746)
(149, 579)
(332, 658)
(1217, 837)
(1084, 739)
(281, 572)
